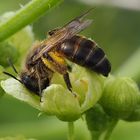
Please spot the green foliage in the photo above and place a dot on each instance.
(57, 99)
(16, 138)
(8, 51)
(103, 101)
(97, 119)
(1, 78)
(15, 47)
(99, 123)
(25, 16)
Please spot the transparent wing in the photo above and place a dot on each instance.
(66, 32)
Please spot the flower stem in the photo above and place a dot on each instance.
(26, 15)
(95, 135)
(71, 131)
(110, 129)
(104, 135)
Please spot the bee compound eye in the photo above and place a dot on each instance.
(30, 83)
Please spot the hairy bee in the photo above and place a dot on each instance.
(49, 56)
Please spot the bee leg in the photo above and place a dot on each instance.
(39, 84)
(40, 90)
(68, 83)
(52, 32)
(69, 68)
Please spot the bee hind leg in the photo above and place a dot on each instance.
(68, 83)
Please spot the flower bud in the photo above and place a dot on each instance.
(61, 102)
(120, 97)
(7, 50)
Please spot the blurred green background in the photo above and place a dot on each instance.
(115, 29)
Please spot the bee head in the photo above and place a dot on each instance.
(30, 82)
(33, 83)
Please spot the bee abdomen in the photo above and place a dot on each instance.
(76, 49)
(103, 66)
(86, 53)
(98, 62)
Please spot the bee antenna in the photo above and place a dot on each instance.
(12, 65)
(9, 74)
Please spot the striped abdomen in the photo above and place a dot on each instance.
(87, 54)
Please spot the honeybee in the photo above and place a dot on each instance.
(63, 43)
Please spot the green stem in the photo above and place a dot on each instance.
(104, 135)
(25, 16)
(71, 131)
(110, 129)
(131, 67)
(95, 135)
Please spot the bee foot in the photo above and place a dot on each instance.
(74, 94)
(41, 99)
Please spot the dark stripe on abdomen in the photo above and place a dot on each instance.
(94, 57)
(86, 53)
(85, 46)
(68, 47)
(103, 67)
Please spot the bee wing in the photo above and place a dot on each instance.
(64, 33)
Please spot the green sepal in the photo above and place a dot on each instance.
(97, 119)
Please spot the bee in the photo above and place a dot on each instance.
(63, 43)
